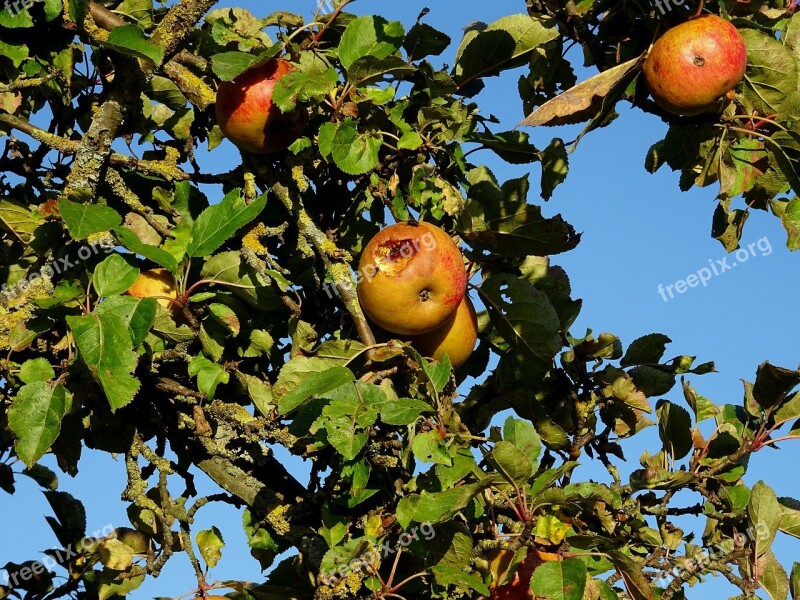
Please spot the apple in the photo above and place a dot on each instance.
(694, 64)
(456, 337)
(411, 278)
(156, 283)
(248, 117)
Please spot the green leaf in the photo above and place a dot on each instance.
(218, 223)
(371, 69)
(795, 581)
(36, 370)
(69, 524)
(523, 435)
(773, 577)
(312, 80)
(46, 478)
(636, 583)
(161, 257)
(511, 462)
(225, 316)
(703, 407)
(130, 39)
(403, 411)
(648, 349)
(228, 267)
(210, 543)
(262, 545)
(451, 576)
(791, 222)
(139, 314)
(52, 9)
(438, 372)
(15, 20)
(355, 153)
(512, 146)
(106, 347)
(498, 219)
(229, 65)
(773, 384)
(505, 44)
(209, 374)
(315, 384)
(114, 276)
(370, 36)
(674, 429)
(788, 410)
(83, 220)
(429, 447)
(111, 585)
(435, 507)
(764, 513)
(423, 40)
(790, 518)
(115, 554)
(555, 167)
(524, 317)
(35, 418)
(560, 580)
(78, 10)
(771, 71)
(19, 220)
(352, 410)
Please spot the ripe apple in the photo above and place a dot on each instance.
(156, 283)
(411, 278)
(694, 64)
(247, 115)
(456, 337)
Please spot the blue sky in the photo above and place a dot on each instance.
(639, 232)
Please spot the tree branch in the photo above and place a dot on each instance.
(177, 24)
(332, 257)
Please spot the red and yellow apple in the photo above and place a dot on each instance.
(694, 64)
(456, 337)
(158, 284)
(411, 278)
(249, 118)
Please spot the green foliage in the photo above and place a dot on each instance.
(418, 488)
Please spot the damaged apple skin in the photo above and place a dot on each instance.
(411, 278)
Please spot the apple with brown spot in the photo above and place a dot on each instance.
(250, 119)
(694, 64)
(411, 278)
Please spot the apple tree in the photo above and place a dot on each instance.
(247, 333)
